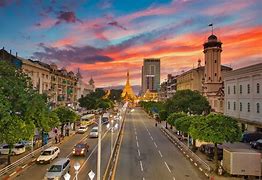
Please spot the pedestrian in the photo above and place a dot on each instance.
(56, 138)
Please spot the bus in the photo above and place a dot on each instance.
(88, 119)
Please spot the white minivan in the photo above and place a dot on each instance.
(48, 155)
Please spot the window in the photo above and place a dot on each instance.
(234, 106)
(258, 88)
(248, 89)
(215, 61)
(46, 76)
(248, 107)
(215, 74)
(258, 108)
(240, 106)
(234, 89)
(228, 90)
(240, 89)
(228, 105)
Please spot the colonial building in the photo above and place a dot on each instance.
(213, 78)
(168, 87)
(150, 75)
(61, 87)
(191, 79)
(243, 96)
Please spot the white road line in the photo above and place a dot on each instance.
(151, 138)
(155, 144)
(174, 178)
(141, 166)
(200, 169)
(167, 167)
(24, 166)
(143, 178)
(137, 144)
(160, 153)
(138, 152)
(136, 137)
(135, 132)
(13, 173)
(195, 164)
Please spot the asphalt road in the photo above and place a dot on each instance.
(147, 154)
(37, 171)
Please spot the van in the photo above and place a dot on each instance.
(105, 118)
(58, 169)
(48, 155)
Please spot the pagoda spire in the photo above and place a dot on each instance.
(128, 93)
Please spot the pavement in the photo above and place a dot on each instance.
(146, 153)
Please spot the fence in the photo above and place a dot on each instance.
(22, 160)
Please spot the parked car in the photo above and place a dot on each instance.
(48, 155)
(58, 169)
(17, 149)
(256, 144)
(26, 143)
(80, 149)
(82, 129)
(94, 132)
(248, 137)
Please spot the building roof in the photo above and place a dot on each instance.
(247, 69)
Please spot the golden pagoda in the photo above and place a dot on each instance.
(128, 93)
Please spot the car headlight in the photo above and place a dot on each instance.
(82, 151)
(74, 151)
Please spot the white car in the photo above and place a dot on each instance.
(48, 155)
(17, 149)
(94, 132)
(82, 129)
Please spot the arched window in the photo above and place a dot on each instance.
(248, 89)
(258, 88)
(248, 107)
(240, 89)
(234, 106)
(240, 106)
(228, 90)
(234, 89)
(228, 105)
(258, 108)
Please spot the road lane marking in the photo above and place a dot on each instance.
(200, 169)
(135, 132)
(141, 166)
(151, 138)
(167, 167)
(160, 153)
(143, 178)
(138, 152)
(195, 164)
(24, 166)
(174, 178)
(136, 137)
(13, 173)
(137, 144)
(155, 144)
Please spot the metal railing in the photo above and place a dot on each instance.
(190, 153)
(23, 160)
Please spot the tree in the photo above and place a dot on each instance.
(65, 115)
(163, 115)
(90, 101)
(173, 117)
(16, 93)
(115, 94)
(188, 101)
(217, 129)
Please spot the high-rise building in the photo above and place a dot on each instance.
(150, 75)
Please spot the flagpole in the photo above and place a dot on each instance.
(212, 29)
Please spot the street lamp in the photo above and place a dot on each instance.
(99, 149)
(112, 127)
(67, 176)
(76, 167)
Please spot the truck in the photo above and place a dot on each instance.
(245, 162)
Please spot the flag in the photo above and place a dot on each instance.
(210, 25)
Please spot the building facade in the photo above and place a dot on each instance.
(60, 86)
(150, 75)
(168, 87)
(192, 79)
(243, 96)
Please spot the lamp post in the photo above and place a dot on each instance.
(111, 126)
(76, 167)
(99, 149)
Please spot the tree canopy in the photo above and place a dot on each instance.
(163, 114)
(188, 101)
(174, 116)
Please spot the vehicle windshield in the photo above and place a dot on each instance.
(55, 168)
(80, 146)
(82, 127)
(46, 153)
(94, 130)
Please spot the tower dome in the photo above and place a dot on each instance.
(212, 38)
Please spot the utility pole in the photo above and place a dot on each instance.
(99, 149)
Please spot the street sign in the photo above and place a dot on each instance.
(91, 175)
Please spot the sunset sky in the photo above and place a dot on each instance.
(105, 38)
